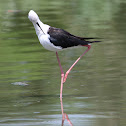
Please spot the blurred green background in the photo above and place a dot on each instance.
(95, 91)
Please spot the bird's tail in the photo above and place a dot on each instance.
(92, 41)
(89, 39)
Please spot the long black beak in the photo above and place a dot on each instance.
(40, 27)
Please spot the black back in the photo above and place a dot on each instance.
(60, 37)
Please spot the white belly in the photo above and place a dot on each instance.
(44, 40)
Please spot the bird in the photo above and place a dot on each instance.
(56, 39)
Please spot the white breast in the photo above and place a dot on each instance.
(44, 40)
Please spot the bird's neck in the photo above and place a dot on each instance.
(42, 30)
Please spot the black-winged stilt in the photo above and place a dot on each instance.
(56, 39)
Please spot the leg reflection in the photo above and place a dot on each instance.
(64, 115)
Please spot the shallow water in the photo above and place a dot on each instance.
(94, 93)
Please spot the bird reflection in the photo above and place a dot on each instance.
(64, 115)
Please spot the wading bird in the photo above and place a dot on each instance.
(56, 39)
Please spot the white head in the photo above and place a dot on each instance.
(33, 17)
(40, 28)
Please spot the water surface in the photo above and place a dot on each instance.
(94, 93)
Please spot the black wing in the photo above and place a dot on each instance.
(60, 37)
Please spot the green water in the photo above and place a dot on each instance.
(95, 91)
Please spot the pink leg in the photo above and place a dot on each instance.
(89, 46)
(62, 77)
